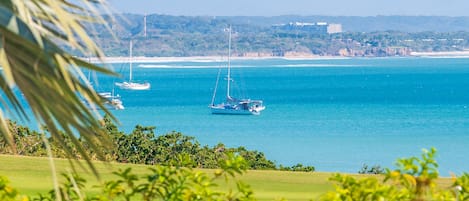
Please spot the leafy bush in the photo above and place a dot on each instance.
(414, 179)
(141, 146)
(162, 183)
(376, 169)
(298, 167)
(7, 192)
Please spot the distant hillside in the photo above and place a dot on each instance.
(349, 23)
(369, 24)
(178, 36)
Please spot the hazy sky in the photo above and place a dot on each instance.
(294, 7)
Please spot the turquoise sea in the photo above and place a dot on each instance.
(334, 114)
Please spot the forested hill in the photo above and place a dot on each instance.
(262, 36)
(369, 23)
(349, 23)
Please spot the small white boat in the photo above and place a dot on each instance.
(133, 85)
(112, 102)
(129, 85)
(234, 105)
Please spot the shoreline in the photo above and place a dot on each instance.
(202, 59)
(441, 54)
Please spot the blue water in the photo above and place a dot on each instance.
(333, 114)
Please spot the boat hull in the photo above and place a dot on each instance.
(232, 111)
(111, 104)
(133, 86)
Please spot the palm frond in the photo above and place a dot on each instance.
(50, 79)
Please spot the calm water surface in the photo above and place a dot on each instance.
(333, 114)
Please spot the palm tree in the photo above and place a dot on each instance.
(33, 36)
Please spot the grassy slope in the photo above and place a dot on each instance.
(32, 175)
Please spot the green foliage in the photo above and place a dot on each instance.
(141, 146)
(162, 183)
(25, 141)
(375, 169)
(461, 187)
(39, 74)
(256, 160)
(414, 179)
(70, 189)
(298, 167)
(7, 193)
(367, 189)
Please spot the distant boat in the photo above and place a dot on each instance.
(234, 105)
(129, 85)
(113, 102)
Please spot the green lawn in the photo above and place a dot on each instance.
(31, 175)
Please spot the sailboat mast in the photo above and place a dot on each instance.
(216, 87)
(130, 62)
(229, 65)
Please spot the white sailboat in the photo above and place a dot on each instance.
(234, 105)
(113, 102)
(129, 85)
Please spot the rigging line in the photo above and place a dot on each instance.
(121, 70)
(216, 86)
(242, 86)
(238, 86)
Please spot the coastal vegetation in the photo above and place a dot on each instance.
(141, 146)
(168, 173)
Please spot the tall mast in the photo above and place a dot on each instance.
(229, 65)
(130, 62)
(145, 25)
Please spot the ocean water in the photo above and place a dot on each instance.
(335, 114)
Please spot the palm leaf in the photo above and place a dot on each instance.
(50, 79)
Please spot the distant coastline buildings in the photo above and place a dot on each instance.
(334, 28)
(288, 36)
(316, 27)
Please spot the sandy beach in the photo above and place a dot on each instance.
(200, 59)
(140, 59)
(441, 54)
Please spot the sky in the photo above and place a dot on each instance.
(293, 7)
